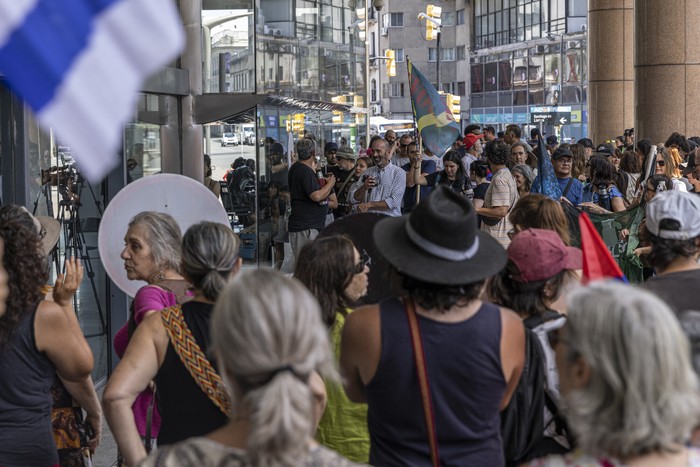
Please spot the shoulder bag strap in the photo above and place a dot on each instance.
(422, 371)
(193, 358)
(347, 180)
(568, 185)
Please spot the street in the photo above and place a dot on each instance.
(222, 157)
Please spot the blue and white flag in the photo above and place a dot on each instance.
(79, 64)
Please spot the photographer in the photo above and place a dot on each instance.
(601, 195)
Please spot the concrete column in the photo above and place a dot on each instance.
(667, 68)
(610, 68)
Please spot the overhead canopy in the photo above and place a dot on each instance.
(232, 108)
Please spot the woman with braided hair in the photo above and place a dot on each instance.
(209, 259)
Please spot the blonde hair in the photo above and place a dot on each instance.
(267, 331)
(642, 395)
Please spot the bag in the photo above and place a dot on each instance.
(71, 432)
(522, 421)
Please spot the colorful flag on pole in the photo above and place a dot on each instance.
(598, 263)
(546, 181)
(79, 64)
(435, 122)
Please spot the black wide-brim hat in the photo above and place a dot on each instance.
(439, 242)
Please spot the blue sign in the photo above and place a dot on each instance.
(271, 121)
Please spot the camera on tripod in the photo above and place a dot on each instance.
(69, 184)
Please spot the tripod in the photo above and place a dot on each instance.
(74, 235)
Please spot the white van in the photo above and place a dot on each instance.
(380, 125)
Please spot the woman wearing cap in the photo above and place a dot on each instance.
(600, 173)
(673, 228)
(535, 277)
(472, 350)
(336, 274)
(452, 175)
(38, 338)
(209, 259)
(151, 254)
(269, 342)
(628, 389)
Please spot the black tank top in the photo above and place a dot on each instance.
(25, 400)
(185, 410)
(466, 384)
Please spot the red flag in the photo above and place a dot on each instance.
(598, 263)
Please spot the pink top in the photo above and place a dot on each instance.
(147, 298)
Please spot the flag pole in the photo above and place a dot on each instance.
(419, 140)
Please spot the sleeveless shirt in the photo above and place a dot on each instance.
(26, 375)
(185, 410)
(466, 385)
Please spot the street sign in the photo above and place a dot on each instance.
(550, 118)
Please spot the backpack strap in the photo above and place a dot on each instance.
(193, 358)
(422, 372)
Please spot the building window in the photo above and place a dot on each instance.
(461, 53)
(396, 20)
(447, 88)
(461, 88)
(448, 18)
(460, 17)
(448, 54)
(374, 90)
(400, 55)
(396, 90)
(432, 54)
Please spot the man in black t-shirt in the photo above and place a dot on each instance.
(310, 201)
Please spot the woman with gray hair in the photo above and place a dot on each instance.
(209, 258)
(151, 254)
(524, 176)
(628, 388)
(269, 341)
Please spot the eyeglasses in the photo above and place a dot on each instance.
(661, 163)
(365, 260)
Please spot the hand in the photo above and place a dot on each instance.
(95, 421)
(563, 199)
(594, 208)
(370, 182)
(67, 284)
(330, 179)
(363, 207)
(624, 233)
(643, 250)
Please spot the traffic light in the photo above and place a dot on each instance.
(337, 117)
(453, 103)
(431, 29)
(298, 123)
(390, 62)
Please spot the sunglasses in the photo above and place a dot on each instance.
(365, 260)
(661, 163)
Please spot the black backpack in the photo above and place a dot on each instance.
(522, 421)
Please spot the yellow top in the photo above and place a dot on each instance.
(343, 426)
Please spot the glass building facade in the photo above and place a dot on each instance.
(264, 64)
(529, 53)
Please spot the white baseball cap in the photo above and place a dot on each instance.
(679, 206)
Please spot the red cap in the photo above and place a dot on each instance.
(540, 254)
(470, 139)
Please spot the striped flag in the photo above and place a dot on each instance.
(79, 64)
(435, 122)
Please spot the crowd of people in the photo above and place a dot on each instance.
(491, 348)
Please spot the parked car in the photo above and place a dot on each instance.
(230, 139)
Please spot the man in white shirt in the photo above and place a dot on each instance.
(381, 187)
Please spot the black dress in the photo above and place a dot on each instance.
(185, 409)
